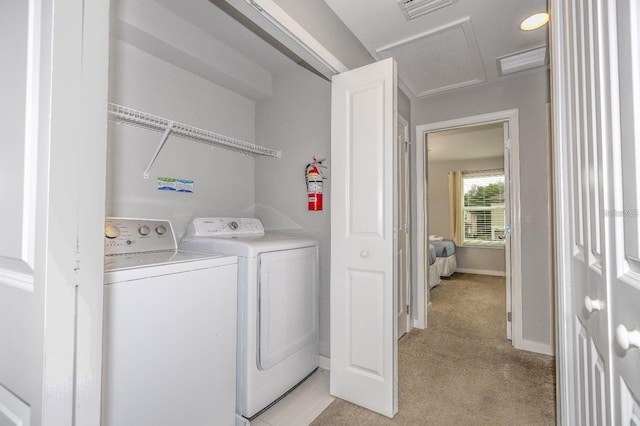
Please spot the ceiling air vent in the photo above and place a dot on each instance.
(414, 8)
(523, 60)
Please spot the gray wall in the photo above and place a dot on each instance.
(529, 93)
(404, 106)
(224, 180)
(297, 121)
(488, 259)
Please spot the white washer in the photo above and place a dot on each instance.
(169, 341)
(278, 321)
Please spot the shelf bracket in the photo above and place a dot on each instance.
(165, 136)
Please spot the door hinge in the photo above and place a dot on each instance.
(408, 310)
(509, 316)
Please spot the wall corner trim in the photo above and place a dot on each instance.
(325, 362)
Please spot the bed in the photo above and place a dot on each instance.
(445, 256)
(434, 276)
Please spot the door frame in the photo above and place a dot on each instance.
(408, 290)
(513, 152)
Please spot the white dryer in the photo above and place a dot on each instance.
(169, 329)
(278, 319)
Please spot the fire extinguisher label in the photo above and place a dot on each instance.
(315, 186)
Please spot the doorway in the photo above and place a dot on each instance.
(509, 119)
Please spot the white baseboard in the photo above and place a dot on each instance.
(481, 272)
(325, 362)
(537, 347)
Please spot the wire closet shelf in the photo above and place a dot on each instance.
(145, 120)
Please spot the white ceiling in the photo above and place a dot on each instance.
(485, 141)
(452, 47)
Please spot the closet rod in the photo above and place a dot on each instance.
(134, 117)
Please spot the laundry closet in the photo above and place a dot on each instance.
(173, 72)
(161, 64)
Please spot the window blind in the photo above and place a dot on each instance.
(483, 206)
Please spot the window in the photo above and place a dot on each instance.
(483, 209)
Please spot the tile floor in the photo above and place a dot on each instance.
(302, 405)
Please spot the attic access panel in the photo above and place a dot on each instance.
(421, 66)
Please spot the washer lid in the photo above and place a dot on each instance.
(249, 246)
(155, 258)
(130, 267)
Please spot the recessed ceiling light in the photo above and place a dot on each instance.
(534, 21)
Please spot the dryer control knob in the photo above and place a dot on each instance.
(111, 231)
(161, 230)
(144, 230)
(233, 225)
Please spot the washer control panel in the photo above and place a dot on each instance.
(225, 227)
(126, 235)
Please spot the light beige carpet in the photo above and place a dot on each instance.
(462, 370)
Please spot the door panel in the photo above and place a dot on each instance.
(18, 161)
(629, 406)
(597, 98)
(582, 344)
(363, 250)
(598, 386)
(365, 296)
(23, 162)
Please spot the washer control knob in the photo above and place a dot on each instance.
(161, 230)
(111, 231)
(233, 225)
(144, 230)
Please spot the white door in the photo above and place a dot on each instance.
(52, 160)
(623, 193)
(403, 255)
(597, 183)
(364, 343)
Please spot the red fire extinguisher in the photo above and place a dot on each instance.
(314, 178)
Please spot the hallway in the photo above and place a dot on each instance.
(462, 370)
